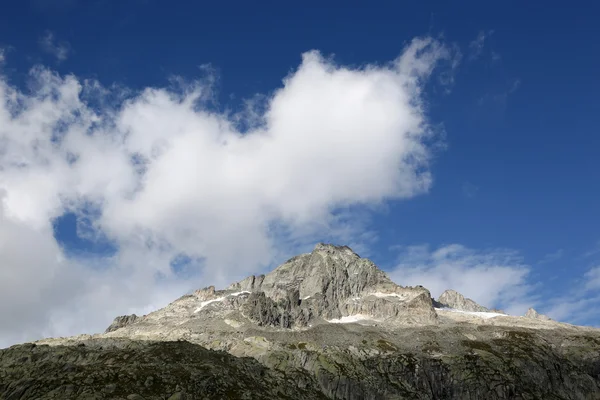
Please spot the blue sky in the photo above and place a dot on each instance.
(507, 213)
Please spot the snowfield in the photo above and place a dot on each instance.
(380, 294)
(484, 315)
(349, 319)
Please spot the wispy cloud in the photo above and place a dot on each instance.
(514, 86)
(477, 45)
(592, 278)
(576, 309)
(580, 302)
(59, 49)
(447, 77)
(502, 97)
(551, 257)
(4, 53)
(593, 251)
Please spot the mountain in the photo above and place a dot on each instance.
(327, 324)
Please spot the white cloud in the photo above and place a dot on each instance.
(169, 177)
(494, 278)
(576, 310)
(579, 301)
(50, 45)
(592, 278)
(46, 294)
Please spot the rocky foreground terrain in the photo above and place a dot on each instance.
(324, 325)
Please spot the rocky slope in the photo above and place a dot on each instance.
(327, 324)
(137, 370)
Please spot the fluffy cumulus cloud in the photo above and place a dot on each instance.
(493, 278)
(164, 178)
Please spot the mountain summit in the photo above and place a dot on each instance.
(324, 325)
(331, 283)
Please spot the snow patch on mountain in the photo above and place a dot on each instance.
(380, 294)
(350, 319)
(218, 299)
(481, 314)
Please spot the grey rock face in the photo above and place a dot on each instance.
(330, 283)
(122, 321)
(334, 271)
(286, 313)
(531, 313)
(453, 299)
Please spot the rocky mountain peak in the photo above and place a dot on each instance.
(335, 250)
(122, 321)
(453, 299)
(327, 265)
(331, 282)
(533, 314)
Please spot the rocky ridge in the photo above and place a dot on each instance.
(531, 313)
(340, 326)
(332, 284)
(121, 321)
(452, 299)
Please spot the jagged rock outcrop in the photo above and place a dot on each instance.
(334, 271)
(333, 282)
(286, 313)
(531, 313)
(452, 299)
(121, 321)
